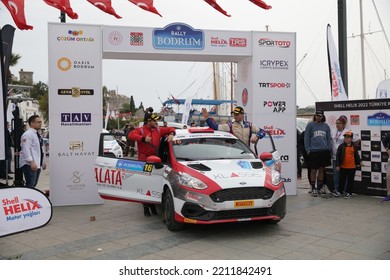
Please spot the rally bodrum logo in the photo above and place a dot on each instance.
(23, 209)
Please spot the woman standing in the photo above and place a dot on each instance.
(337, 140)
(318, 145)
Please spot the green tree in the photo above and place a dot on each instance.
(132, 105)
(141, 106)
(40, 92)
(13, 62)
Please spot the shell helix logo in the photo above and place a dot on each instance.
(64, 64)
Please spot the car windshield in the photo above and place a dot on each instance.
(109, 138)
(210, 149)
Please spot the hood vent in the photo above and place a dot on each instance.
(256, 164)
(199, 166)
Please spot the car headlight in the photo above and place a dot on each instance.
(276, 177)
(190, 182)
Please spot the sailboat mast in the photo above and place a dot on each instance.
(362, 50)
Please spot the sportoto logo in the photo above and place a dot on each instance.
(115, 38)
(267, 42)
(64, 64)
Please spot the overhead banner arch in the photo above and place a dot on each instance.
(266, 88)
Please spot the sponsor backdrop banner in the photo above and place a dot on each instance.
(273, 100)
(2, 104)
(75, 106)
(23, 209)
(369, 119)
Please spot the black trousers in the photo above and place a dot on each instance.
(347, 175)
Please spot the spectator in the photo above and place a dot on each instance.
(318, 146)
(242, 129)
(32, 155)
(148, 140)
(347, 160)
(130, 144)
(386, 144)
(193, 124)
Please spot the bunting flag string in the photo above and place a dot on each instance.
(105, 6)
(214, 4)
(147, 5)
(16, 8)
(62, 5)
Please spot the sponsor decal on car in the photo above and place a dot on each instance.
(244, 203)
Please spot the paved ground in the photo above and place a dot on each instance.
(314, 228)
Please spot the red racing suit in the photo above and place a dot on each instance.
(148, 149)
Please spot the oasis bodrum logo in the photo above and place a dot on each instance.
(178, 36)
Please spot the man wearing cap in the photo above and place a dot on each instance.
(149, 135)
(239, 127)
(386, 144)
(318, 145)
(148, 140)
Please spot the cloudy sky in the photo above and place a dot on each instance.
(148, 80)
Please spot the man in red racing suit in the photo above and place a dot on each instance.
(149, 135)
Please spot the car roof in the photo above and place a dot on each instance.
(202, 132)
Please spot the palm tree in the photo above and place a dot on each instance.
(13, 62)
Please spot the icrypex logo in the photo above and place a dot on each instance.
(267, 42)
(278, 106)
(274, 85)
(274, 64)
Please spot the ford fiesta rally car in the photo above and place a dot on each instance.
(200, 177)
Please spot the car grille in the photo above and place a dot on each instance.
(242, 194)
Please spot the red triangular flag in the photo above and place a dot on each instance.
(147, 5)
(261, 4)
(213, 3)
(62, 5)
(16, 8)
(105, 6)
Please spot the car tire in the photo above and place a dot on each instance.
(169, 212)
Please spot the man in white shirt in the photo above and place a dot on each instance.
(32, 154)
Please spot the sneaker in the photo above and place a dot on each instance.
(386, 198)
(336, 193)
(314, 192)
(348, 195)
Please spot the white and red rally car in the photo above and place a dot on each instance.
(200, 177)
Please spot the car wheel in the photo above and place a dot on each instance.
(169, 213)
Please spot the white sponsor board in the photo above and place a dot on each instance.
(23, 209)
(75, 107)
(369, 120)
(265, 83)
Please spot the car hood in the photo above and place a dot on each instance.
(231, 173)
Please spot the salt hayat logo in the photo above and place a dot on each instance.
(16, 209)
(115, 38)
(267, 42)
(64, 64)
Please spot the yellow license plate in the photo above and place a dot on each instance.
(244, 203)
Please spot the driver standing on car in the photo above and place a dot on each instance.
(148, 140)
(239, 127)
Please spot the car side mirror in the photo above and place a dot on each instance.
(156, 161)
(265, 156)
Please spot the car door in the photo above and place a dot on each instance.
(129, 180)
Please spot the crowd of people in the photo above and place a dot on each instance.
(322, 147)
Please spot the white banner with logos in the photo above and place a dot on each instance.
(75, 108)
(273, 100)
(186, 111)
(2, 124)
(23, 209)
